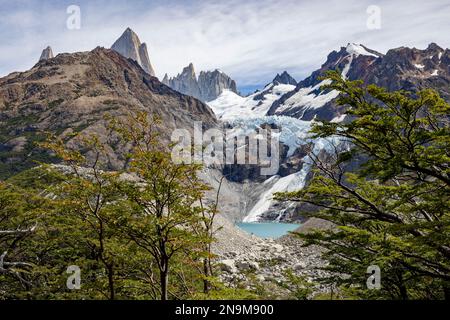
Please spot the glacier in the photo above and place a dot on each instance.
(245, 115)
(293, 133)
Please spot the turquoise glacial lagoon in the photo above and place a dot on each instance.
(272, 230)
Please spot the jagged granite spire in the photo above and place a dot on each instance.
(186, 82)
(213, 83)
(207, 87)
(129, 46)
(284, 78)
(47, 53)
(145, 60)
(166, 80)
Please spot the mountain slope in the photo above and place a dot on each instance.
(399, 69)
(73, 92)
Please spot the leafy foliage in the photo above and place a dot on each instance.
(394, 211)
(129, 232)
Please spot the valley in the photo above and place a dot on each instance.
(75, 95)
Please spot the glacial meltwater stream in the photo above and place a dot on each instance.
(272, 230)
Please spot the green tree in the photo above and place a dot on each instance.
(206, 229)
(17, 223)
(85, 204)
(394, 210)
(164, 201)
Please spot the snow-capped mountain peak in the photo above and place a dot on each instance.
(284, 78)
(359, 49)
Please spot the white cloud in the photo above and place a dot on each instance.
(250, 40)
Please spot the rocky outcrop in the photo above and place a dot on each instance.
(47, 53)
(129, 46)
(281, 84)
(165, 80)
(185, 82)
(207, 87)
(284, 78)
(213, 83)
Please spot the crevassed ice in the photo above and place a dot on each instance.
(293, 132)
(290, 183)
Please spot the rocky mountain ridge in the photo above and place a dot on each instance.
(72, 93)
(284, 78)
(399, 69)
(207, 87)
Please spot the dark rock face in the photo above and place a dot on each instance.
(47, 53)
(213, 83)
(284, 78)
(129, 46)
(401, 68)
(413, 69)
(73, 92)
(207, 87)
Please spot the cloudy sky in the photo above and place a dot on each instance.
(251, 40)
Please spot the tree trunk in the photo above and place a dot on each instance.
(206, 284)
(111, 282)
(164, 274)
(446, 291)
(402, 288)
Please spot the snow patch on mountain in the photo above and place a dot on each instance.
(307, 98)
(229, 105)
(338, 119)
(347, 68)
(357, 49)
